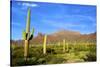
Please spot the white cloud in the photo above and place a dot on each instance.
(30, 4)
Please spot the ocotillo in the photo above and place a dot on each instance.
(27, 36)
(44, 44)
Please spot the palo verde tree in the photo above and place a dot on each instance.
(27, 35)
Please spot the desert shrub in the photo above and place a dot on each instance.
(90, 56)
(41, 61)
(56, 60)
(18, 53)
(17, 62)
(54, 55)
(51, 51)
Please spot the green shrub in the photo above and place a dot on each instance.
(91, 56)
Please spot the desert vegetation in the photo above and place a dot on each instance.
(60, 47)
(55, 53)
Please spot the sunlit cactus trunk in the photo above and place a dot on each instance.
(44, 44)
(64, 45)
(26, 49)
(27, 36)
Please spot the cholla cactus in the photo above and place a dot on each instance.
(64, 45)
(44, 44)
(27, 36)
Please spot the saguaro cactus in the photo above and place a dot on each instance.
(44, 44)
(27, 36)
(64, 45)
(67, 46)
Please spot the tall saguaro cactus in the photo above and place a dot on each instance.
(27, 36)
(44, 44)
(67, 46)
(64, 45)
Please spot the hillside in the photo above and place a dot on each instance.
(59, 36)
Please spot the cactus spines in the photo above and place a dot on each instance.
(64, 45)
(27, 36)
(44, 44)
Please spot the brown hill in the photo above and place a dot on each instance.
(88, 36)
(65, 33)
(59, 36)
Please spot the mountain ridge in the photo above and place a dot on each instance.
(59, 36)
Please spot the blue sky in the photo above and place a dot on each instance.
(50, 17)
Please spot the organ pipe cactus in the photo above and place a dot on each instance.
(27, 35)
(44, 44)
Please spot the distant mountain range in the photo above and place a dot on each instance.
(59, 36)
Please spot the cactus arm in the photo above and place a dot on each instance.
(24, 35)
(31, 35)
(32, 31)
